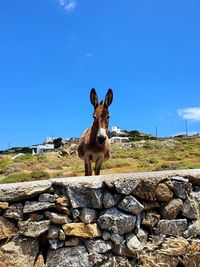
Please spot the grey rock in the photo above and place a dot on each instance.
(142, 235)
(55, 244)
(172, 227)
(193, 230)
(14, 211)
(123, 250)
(19, 191)
(117, 239)
(87, 215)
(97, 259)
(117, 198)
(68, 256)
(57, 218)
(72, 241)
(53, 232)
(116, 221)
(126, 187)
(85, 197)
(108, 200)
(19, 252)
(131, 205)
(46, 197)
(151, 218)
(133, 243)
(98, 246)
(182, 187)
(75, 213)
(106, 235)
(32, 206)
(191, 207)
(33, 229)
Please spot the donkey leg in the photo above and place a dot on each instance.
(98, 165)
(88, 167)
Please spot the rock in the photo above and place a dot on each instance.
(15, 211)
(142, 235)
(149, 205)
(172, 209)
(122, 250)
(146, 189)
(46, 197)
(68, 256)
(75, 214)
(108, 200)
(40, 261)
(133, 243)
(63, 200)
(172, 227)
(4, 205)
(191, 207)
(87, 215)
(151, 218)
(31, 206)
(7, 228)
(19, 252)
(85, 197)
(106, 235)
(53, 232)
(61, 235)
(163, 193)
(98, 246)
(182, 187)
(19, 191)
(126, 187)
(117, 198)
(131, 205)
(55, 244)
(193, 230)
(116, 261)
(72, 242)
(116, 221)
(97, 259)
(33, 229)
(81, 230)
(57, 218)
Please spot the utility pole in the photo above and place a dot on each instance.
(186, 128)
(156, 132)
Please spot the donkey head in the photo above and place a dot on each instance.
(101, 114)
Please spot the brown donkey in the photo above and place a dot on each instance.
(94, 144)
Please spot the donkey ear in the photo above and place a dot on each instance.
(109, 98)
(94, 98)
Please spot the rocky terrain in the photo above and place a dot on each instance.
(141, 219)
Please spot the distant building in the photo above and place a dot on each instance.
(38, 149)
(118, 139)
(116, 129)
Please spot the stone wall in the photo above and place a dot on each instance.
(137, 219)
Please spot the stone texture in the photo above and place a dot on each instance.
(4, 205)
(75, 214)
(19, 252)
(81, 197)
(172, 227)
(19, 191)
(182, 187)
(193, 230)
(72, 241)
(69, 256)
(117, 239)
(142, 235)
(63, 200)
(46, 197)
(131, 205)
(133, 243)
(15, 211)
(98, 246)
(53, 232)
(33, 229)
(149, 205)
(108, 200)
(57, 218)
(126, 187)
(172, 209)
(81, 230)
(191, 207)
(61, 235)
(151, 218)
(32, 206)
(55, 244)
(7, 228)
(40, 261)
(88, 215)
(116, 221)
(163, 193)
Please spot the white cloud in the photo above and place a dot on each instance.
(190, 113)
(68, 5)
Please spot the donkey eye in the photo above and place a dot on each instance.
(108, 117)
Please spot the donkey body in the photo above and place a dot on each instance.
(94, 144)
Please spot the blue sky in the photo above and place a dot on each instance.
(52, 52)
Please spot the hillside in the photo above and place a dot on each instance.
(137, 156)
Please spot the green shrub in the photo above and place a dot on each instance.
(16, 177)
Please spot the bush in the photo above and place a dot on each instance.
(16, 177)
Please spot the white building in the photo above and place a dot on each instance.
(116, 129)
(38, 149)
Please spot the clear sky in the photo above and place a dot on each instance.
(52, 52)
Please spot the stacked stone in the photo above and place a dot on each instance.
(57, 223)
